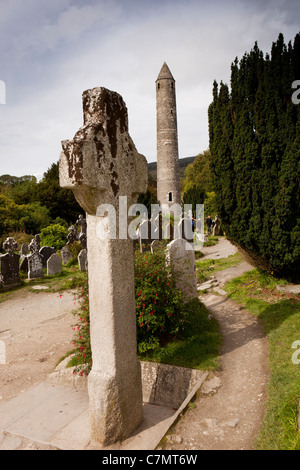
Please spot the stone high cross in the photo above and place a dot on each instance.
(100, 165)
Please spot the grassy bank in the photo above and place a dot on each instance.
(280, 316)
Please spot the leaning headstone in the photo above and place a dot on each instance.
(24, 249)
(182, 261)
(35, 260)
(66, 255)
(82, 260)
(9, 263)
(100, 165)
(46, 252)
(54, 265)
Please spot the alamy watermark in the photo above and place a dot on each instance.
(296, 94)
(2, 92)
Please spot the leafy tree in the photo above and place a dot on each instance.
(255, 152)
(54, 235)
(194, 195)
(59, 201)
(198, 173)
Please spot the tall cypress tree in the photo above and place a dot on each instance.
(255, 156)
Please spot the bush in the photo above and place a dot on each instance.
(54, 236)
(160, 312)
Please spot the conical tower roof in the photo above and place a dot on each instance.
(165, 73)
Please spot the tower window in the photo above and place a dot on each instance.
(158, 86)
(170, 197)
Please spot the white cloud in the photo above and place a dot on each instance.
(53, 51)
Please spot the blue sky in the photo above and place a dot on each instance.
(51, 51)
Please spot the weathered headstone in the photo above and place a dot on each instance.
(9, 263)
(46, 252)
(35, 260)
(54, 265)
(101, 165)
(83, 228)
(73, 235)
(66, 255)
(182, 260)
(82, 260)
(24, 264)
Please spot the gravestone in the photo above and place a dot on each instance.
(73, 235)
(46, 252)
(24, 249)
(83, 227)
(24, 264)
(54, 264)
(82, 260)
(66, 255)
(182, 261)
(101, 165)
(35, 260)
(9, 263)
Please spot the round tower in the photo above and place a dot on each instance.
(168, 182)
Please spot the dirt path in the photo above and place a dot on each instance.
(228, 412)
(36, 328)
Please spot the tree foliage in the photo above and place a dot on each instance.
(255, 150)
(29, 206)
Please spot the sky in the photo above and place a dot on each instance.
(52, 51)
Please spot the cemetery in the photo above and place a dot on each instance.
(183, 329)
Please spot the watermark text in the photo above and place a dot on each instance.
(296, 354)
(296, 94)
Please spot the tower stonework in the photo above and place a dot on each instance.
(168, 182)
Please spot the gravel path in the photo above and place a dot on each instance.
(36, 329)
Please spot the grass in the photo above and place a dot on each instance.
(197, 348)
(280, 316)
